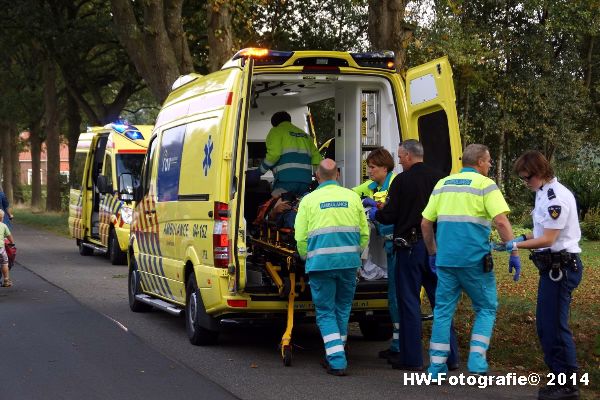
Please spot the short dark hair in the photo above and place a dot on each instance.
(380, 157)
(534, 163)
(279, 117)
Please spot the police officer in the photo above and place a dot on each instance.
(374, 191)
(555, 237)
(464, 206)
(331, 232)
(408, 196)
(291, 153)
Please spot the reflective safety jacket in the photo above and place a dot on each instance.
(331, 228)
(291, 152)
(371, 189)
(464, 205)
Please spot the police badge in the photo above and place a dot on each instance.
(554, 211)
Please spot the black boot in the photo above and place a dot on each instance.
(559, 392)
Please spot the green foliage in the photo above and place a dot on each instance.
(584, 182)
(590, 227)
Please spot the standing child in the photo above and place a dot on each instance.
(4, 233)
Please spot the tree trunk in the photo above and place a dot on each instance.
(220, 33)
(156, 58)
(53, 196)
(387, 29)
(7, 163)
(73, 130)
(16, 167)
(588, 62)
(36, 177)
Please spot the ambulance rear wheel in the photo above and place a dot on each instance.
(133, 288)
(375, 330)
(84, 250)
(196, 317)
(115, 254)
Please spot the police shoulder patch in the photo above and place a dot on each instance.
(551, 195)
(554, 211)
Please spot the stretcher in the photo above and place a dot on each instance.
(286, 269)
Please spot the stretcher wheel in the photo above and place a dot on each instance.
(287, 356)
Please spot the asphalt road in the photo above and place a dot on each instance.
(86, 300)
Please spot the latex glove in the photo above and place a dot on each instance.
(371, 213)
(369, 202)
(514, 263)
(432, 265)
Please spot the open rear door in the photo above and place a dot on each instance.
(237, 234)
(432, 114)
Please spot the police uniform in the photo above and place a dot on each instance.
(555, 208)
(290, 154)
(379, 193)
(408, 196)
(331, 231)
(463, 205)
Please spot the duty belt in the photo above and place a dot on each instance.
(554, 262)
(409, 240)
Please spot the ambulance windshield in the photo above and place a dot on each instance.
(130, 164)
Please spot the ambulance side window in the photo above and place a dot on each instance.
(169, 163)
(77, 170)
(147, 173)
(434, 135)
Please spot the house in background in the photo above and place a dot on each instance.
(25, 164)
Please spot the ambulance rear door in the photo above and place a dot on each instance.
(237, 237)
(432, 118)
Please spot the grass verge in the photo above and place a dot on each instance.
(53, 222)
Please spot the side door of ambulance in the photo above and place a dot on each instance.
(238, 228)
(431, 106)
(77, 192)
(145, 226)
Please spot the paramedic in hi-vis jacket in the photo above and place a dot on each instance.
(464, 206)
(291, 153)
(331, 233)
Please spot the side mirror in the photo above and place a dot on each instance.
(103, 184)
(126, 186)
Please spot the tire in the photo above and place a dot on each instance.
(196, 318)
(115, 254)
(133, 288)
(83, 250)
(375, 330)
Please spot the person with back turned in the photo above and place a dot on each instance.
(331, 232)
(464, 206)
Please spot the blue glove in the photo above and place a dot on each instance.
(371, 213)
(369, 202)
(432, 266)
(514, 262)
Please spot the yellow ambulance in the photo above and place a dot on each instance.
(107, 165)
(194, 248)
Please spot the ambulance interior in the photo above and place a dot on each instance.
(365, 118)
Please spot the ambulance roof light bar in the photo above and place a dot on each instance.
(263, 56)
(379, 59)
(123, 128)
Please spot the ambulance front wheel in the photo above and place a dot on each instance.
(196, 318)
(133, 288)
(115, 254)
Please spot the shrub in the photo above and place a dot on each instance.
(590, 227)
